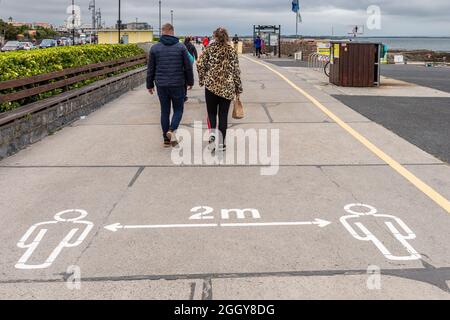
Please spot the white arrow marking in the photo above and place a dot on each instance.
(319, 222)
(115, 227)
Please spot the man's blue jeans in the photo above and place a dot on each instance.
(171, 97)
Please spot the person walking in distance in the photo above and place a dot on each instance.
(258, 46)
(193, 57)
(219, 72)
(191, 48)
(170, 69)
(236, 42)
(205, 42)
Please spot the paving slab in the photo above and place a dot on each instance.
(296, 112)
(323, 287)
(105, 290)
(137, 145)
(437, 176)
(36, 195)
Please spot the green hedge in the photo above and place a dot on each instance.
(20, 64)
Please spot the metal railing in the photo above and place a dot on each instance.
(317, 61)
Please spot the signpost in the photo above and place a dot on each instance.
(271, 36)
(356, 30)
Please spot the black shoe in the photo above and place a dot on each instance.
(167, 140)
(167, 143)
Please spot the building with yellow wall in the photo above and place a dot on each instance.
(111, 36)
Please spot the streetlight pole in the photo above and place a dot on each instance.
(119, 23)
(73, 22)
(94, 19)
(171, 17)
(160, 22)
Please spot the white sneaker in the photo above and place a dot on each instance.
(170, 135)
(173, 139)
(212, 143)
(222, 148)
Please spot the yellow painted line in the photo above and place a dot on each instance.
(419, 184)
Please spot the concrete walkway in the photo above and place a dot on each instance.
(112, 166)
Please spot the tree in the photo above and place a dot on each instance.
(11, 32)
(44, 33)
(8, 30)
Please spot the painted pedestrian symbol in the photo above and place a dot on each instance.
(31, 244)
(399, 229)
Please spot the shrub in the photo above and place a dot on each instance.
(21, 64)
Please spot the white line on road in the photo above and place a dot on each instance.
(318, 222)
(115, 227)
(172, 226)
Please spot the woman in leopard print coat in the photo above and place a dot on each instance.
(219, 72)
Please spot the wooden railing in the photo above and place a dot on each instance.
(35, 85)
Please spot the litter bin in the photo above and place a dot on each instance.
(355, 64)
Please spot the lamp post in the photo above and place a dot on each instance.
(160, 22)
(171, 17)
(73, 22)
(94, 19)
(119, 23)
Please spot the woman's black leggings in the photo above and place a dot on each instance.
(218, 106)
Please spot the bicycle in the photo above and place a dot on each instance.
(326, 69)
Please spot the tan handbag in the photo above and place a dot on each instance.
(238, 109)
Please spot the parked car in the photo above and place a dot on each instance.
(64, 41)
(26, 46)
(48, 43)
(11, 46)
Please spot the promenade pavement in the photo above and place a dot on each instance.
(151, 229)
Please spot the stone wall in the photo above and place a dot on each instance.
(22, 132)
(306, 46)
(289, 48)
(420, 56)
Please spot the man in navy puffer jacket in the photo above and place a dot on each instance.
(171, 69)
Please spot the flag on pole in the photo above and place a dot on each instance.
(300, 20)
(295, 6)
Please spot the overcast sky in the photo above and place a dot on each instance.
(399, 17)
